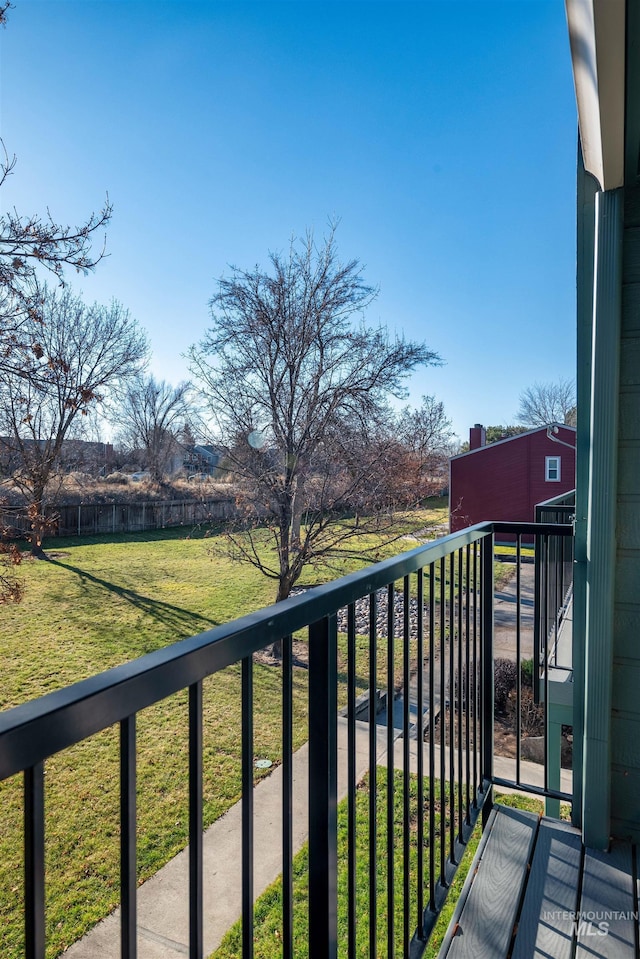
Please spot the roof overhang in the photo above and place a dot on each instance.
(597, 38)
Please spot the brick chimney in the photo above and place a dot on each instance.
(477, 436)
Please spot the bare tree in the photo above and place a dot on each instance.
(11, 589)
(427, 441)
(29, 245)
(545, 403)
(151, 417)
(298, 395)
(81, 354)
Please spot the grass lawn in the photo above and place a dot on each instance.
(105, 601)
(268, 909)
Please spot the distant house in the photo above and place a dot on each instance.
(201, 459)
(506, 479)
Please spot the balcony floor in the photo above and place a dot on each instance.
(536, 892)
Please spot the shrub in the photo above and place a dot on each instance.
(116, 478)
(531, 715)
(504, 681)
(526, 672)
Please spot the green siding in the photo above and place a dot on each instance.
(625, 728)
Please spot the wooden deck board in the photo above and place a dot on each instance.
(606, 927)
(542, 867)
(545, 926)
(486, 922)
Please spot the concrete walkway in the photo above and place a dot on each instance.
(163, 918)
(505, 612)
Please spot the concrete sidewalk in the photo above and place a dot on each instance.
(163, 916)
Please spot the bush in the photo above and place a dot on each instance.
(531, 715)
(526, 673)
(504, 681)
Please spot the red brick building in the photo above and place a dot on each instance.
(505, 480)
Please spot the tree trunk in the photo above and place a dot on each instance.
(39, 527)
(284, 590)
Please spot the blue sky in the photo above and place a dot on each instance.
(441, 134)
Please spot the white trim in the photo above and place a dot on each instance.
(547, 469)
(597, 40)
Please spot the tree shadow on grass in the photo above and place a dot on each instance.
(182, 621)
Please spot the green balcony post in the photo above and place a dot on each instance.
(601, 523)
(587, 188)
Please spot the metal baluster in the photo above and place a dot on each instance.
(323, 723)
(460, 697)
(476, 698)
(390, 769)
(487, 669)
(373, 778)
(443, 743)
(452, 703)
(420, 743)
(196, 945)
(34, 899)
(247, 807)
(432, 738)
(467, 681)
(406, 770)
(518, 657)
(351, 777)
(287, 797)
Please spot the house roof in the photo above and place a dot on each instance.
(510, 439)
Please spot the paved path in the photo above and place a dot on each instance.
(505, 612)
(163, 919)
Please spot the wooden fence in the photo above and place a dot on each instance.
(91, 519)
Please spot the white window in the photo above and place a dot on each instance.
(552, 469)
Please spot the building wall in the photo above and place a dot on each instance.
(625, 724)
(504, 481)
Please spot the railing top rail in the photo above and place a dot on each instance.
(563, 499)
(33, 731)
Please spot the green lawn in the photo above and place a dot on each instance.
(101, 602)
(268, 909)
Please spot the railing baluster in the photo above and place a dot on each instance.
(558, 598)
(518, 657)
(351, 778)
(432, 739)
(476, 698)
(452, 704)
(128, 863)
(443, 725)
(247, 807)
(373, 778)
(487, 668)
(34, 900)
(547, 560)
(420, 750)
(196, 945)
(406, 770)
(287, 797)
(390, 769)
(323, 867)
(460, 705)
(467, 680)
